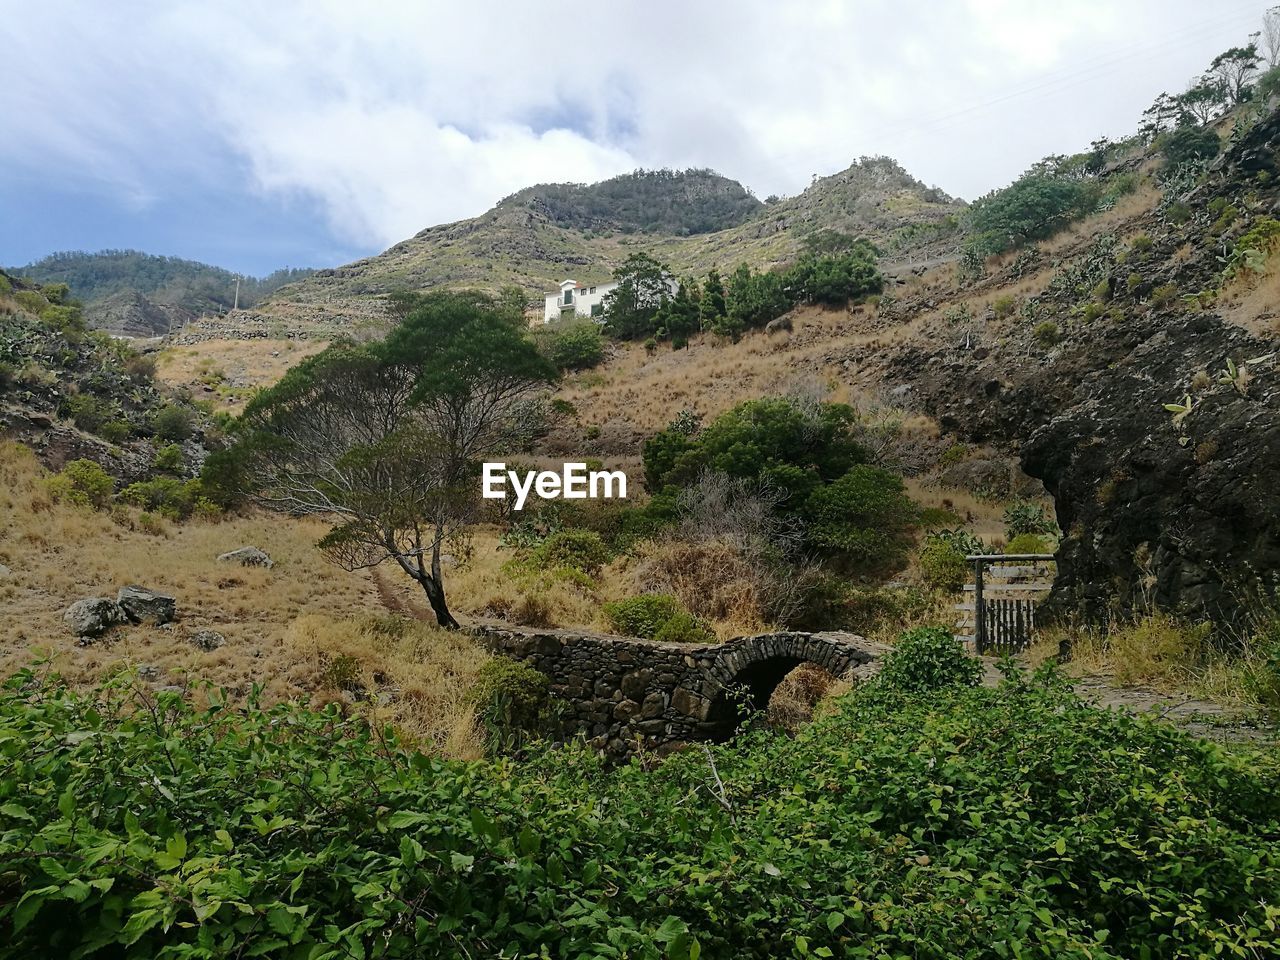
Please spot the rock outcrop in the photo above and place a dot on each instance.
(247, 557)
(141, 605)
(93, 616)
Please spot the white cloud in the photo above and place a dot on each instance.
(398, 115)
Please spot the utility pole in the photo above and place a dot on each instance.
(236, 305)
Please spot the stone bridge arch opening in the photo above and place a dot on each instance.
(749, 693)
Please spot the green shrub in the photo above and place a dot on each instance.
(1019, 821)
(864, 517)
(82, 482)
(684, 627)
(31, 302)
(1028, 543)
(1023, 516)
(116, 431)
(169, 459)
(342, 672)
(942, 565)
(512, 703)
(172, 423)
(1190, 143)
(8, 374)
(1141, 243)
(582, 550)
(5, 285)
(87, 412)
(1047, 333)
(1003, 306)
(642, 616)
(170, 497)
(1033, 207)
(927, 659)
(578, 346)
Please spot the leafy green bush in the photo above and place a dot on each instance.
(864, 517)
(1028, 543)
(1023, 516)
(942, 564)
(512, 701)
(966, 822)
(172, 423)
(582, 550)
(578, 346)
(1190, 143)
(169, 459)
(170, 497)
(1262, 665)
(1047, 333)
(82, 482)
(928, 659)
(684, 627)
(87, 412)
(1033, 207)
(642, 616)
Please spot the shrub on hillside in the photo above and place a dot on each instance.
(172, 423)
(1024, 516)
(87, 412)
(577, 346)
(172, 498)
(1028, 543)
(927, 659)
(1033, 207)
(864, 517)
(654, 616)
(943, 565)
(82, 482)
(581, 550)
(1190, 143)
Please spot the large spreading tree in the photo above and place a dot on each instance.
(385, 439)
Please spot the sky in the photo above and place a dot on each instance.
(262, 135)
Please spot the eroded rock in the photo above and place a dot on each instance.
(93, 616)
(247, 557)
(142, 605)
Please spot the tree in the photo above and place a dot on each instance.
(1033, 207)
(1160, 116)
(678, 317)
(644, 285)
(753, 299)
(384, 439)
(1202, 101)
(1233, 69)
(712, 308)
(1271, 36)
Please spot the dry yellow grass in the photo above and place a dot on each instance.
(281, 625)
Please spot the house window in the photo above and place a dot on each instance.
(597, 309)
(568, 296)
(592, 291)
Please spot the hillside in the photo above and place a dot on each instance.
(676, 202)
(137, 294)
(536, 238)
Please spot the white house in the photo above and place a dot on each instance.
(577, 299)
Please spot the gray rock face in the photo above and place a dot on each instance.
(5, 572)
(247, 557)
(140, 604)
(93, 616)
(207, 639)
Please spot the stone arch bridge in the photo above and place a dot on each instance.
(621, 692)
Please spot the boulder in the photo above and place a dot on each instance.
(140, 605)
(207, 639)
(5, 572)
(94, 616)
(247, 557)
